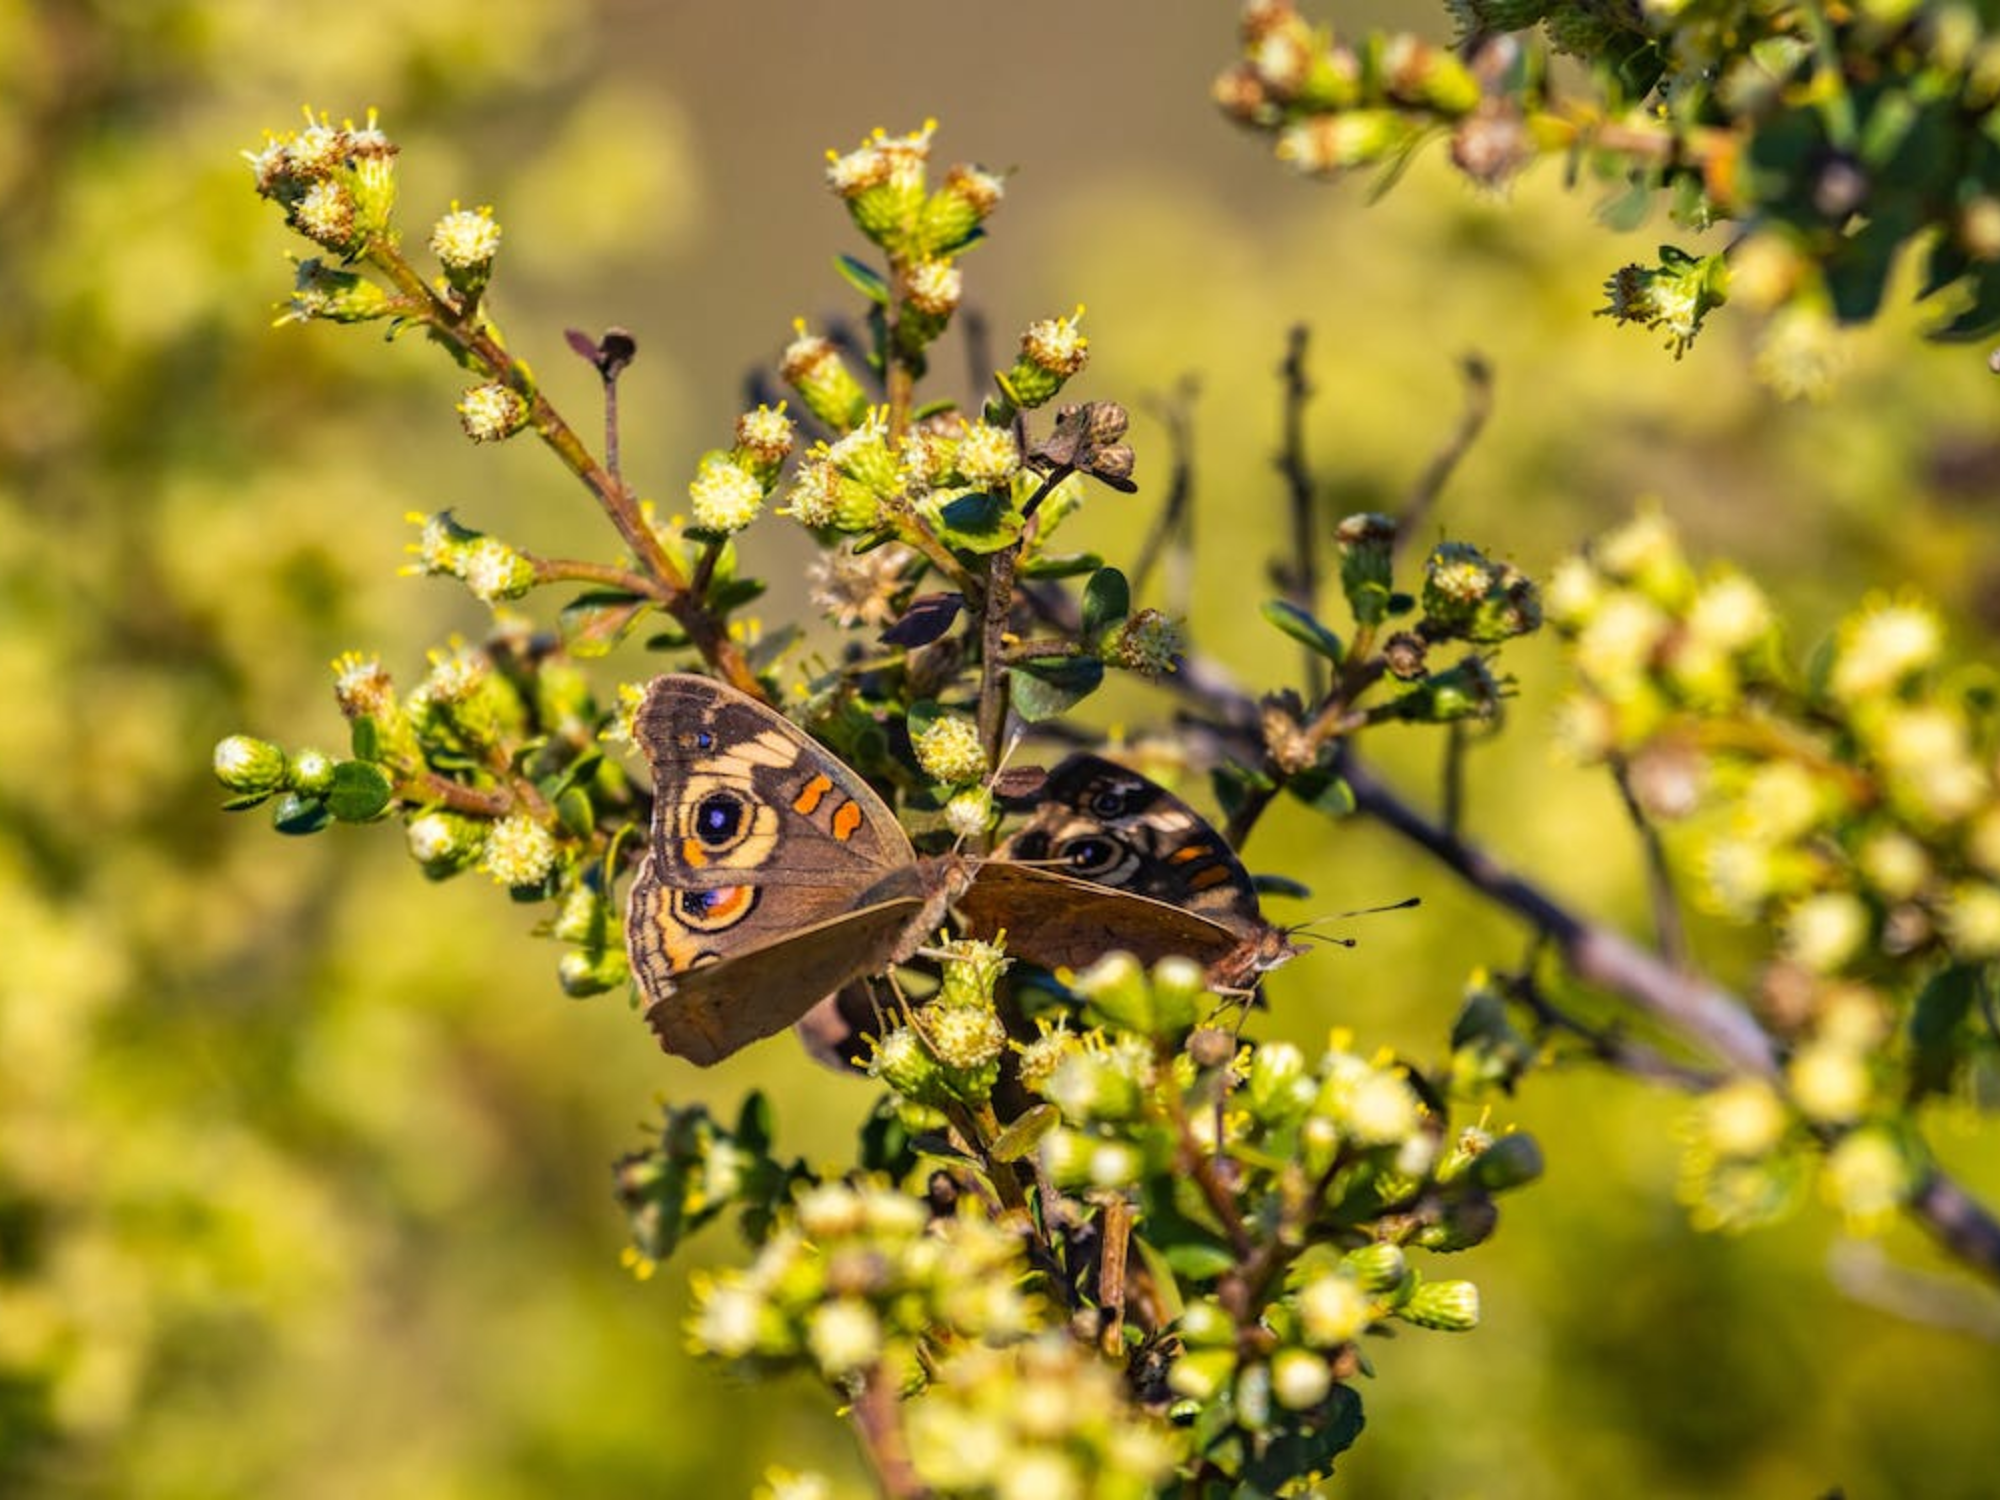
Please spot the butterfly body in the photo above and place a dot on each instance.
(775, 876)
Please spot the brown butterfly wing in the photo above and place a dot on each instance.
(1168, 882)
(1060, 922)
(774, 874)
(709, 1011)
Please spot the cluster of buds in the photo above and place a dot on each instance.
(1673, 297)
(948, 751)
(1053, 352)
(1335, 105)
(492, 569)
(729, 488)
(699, 1169)
(311, 788)
(950, 1051)
(1853, 811)
(336, 186)
(1045, 1418)
(859, 1282)
(1468, 597)
(885, 184)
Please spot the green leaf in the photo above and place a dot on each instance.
(754, 1130)
(726, 594)
(245, 801)
(574, 810)
(1982, 315)
(1935, 1022)
(1026, 1133)
(591, 624)
(1323, 792)
(296, 814)
(979, 522)
(1198, 1260)
(1062, 565)
(1107, 600)
(772, 645)
(360, 791)
(1302, 1452)
(1303, 628)
(864, 278)
(1051, 685)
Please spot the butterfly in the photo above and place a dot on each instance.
(774, 875)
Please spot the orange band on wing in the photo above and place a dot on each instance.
(692, 854)
(846, 821)
(1187, 852)
(1209, 878)
(811, 793)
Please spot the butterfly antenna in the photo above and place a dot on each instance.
(1305, 929)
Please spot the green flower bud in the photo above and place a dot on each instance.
(1381, 1269)
(1448, 1306)
(969, 813)
(1094, 1084)
(465, 242)
(1333, 1309)
(1367, 553)
(967, 198)
(491, 412)
(905, 1064)
(249, 767)
(1461, 1223)
(948, 750)
(1512, 1161)
(724, 497)
(1201, 1373)
(445, 843)
(971, 970)
(1043, 1056)
(1204, 1325)
(764, 439)
(1052, 352)
(520, 853)
(312, 772)
(326, 292)
(813, 367)
(1322, 144)
(584, 972)
(494, 571)
(1148, 643)
(1300, 1379)
(1279, 1088)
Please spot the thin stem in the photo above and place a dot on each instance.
(1669, 932)
(578, 570)
(1302, 572)
(878, 1418)
(480, 345)
(993, 676)
(1423, 496)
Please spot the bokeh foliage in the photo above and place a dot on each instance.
(301, 1179)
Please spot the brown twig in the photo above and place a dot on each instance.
(878, 1418)
(1423, 496)
(1669, 932)
(468, 332)
(1172, 533)
(1301, 574)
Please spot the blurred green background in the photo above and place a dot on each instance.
(304, 1182)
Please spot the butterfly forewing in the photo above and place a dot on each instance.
(773, 875)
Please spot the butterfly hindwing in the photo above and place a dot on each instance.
(773, 875)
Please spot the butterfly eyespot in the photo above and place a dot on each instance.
(717, 819)
(1089, 855)
(1107, 803)
(703, 740)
